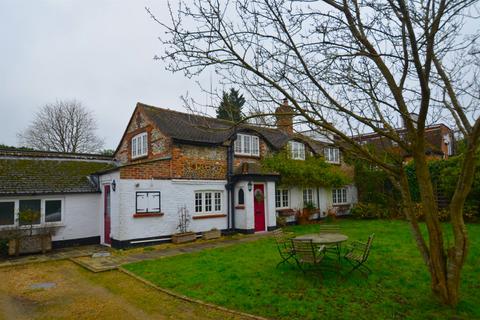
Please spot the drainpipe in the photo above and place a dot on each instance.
(318, 204)
(231, 184)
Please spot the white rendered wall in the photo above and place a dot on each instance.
(79, 214)
(173, 194)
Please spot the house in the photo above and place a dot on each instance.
(167, 160)
(59, 186)
(440, 141)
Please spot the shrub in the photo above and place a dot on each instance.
(370, 211)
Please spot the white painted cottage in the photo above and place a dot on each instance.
(165, 160)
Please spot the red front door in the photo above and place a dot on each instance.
(106, 214)
(259, 207)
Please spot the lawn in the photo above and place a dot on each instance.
(244, 277)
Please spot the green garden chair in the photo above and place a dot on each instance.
(284, 245)
(357, 255)
(331, 228)
(306, 252)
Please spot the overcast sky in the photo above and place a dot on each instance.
(98, 52)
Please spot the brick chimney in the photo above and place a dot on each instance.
(284, 115)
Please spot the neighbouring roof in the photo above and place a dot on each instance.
(190, 128)
(433, 135)
(38, 172)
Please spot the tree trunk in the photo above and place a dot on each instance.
(444, 264)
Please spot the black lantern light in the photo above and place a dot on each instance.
(114, 185)
(249, 186)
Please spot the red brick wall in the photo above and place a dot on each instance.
(150, 170)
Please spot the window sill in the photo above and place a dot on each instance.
(247, 156)
(286, 212)
(209, 216)
(333, 162)
(148, 215)
(139, 157)
(240, 206)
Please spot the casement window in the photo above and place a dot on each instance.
(34, 206)
(53, 211)
(307, 196)
(241, 197)
(247, 145)
(7, 213)
(332, 154)
(148, 202)
(139, 145)
(339, 196)
(281, 198)
(208, 202)
(44, 211)
(297, 150)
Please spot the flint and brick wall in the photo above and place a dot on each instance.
(159, 145)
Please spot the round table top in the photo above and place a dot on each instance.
(323, 238)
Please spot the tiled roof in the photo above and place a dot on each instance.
(27, 173)
(200, 129)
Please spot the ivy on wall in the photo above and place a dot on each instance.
(311, 172)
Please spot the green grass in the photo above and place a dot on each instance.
(244, 277)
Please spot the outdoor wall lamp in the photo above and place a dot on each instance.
(249, 186)
(114, 185)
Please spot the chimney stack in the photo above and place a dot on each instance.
(284, 115)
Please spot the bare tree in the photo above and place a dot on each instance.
(65, 126)
(350, 67)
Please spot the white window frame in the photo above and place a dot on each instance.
(247, 145)
(215, 204)
(308, 196)
(297, 150)
(42, 212)
(282, 197)
(340, 194)
(148, 209)
(332, 154)
(139, 145)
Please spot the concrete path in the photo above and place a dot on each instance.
(57, 254)
(113, 261)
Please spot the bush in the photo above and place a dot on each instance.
(370, 211)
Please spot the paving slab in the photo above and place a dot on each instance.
(106, 263)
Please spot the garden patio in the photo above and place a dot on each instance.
(244, 277)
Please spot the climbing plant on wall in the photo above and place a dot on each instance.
(311, 172)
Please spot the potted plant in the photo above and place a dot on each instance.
(183, 226)
(304, 216)
(331, 214)
(214, 233)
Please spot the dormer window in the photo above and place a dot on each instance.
(247, 145)
(139, 145)
(332, 154)
(297, 150)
